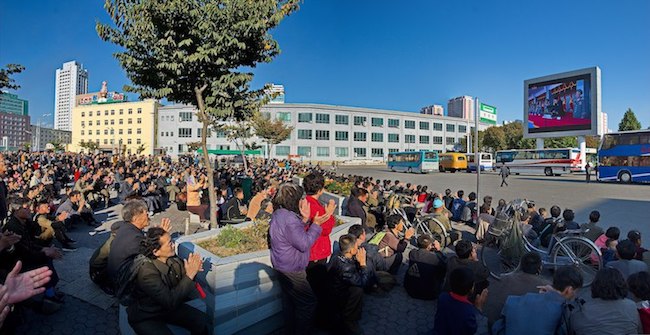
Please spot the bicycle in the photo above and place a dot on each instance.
(506, 244)
(397, 203)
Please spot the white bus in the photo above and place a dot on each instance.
(485, 162)
(541, 161)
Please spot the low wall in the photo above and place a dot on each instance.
(243, 293)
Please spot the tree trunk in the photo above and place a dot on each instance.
(205, 120)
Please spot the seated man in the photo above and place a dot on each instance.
(540, 313)
(356, 203)
(348, 276)
(455, 313)
(235, 209)
(52, 227)
(426, 271)
(466, 257)
(77, 210)
(32, 254)
(526, 280)
(626, 264)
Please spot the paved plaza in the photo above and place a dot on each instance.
(88, 310)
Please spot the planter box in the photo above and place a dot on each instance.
(340, 200)
(243, 293)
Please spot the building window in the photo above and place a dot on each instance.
(322, 151)
(282, 150)
(106, 122)
(341, 136)
(437, 140)
(138, 131)
(184, 132)
(424, 139)
(359, 136)
(341, 152)
(304, 117)
(451, 141)
(112, 131)
(393, 123)
(120, 131)
(90, 123)
(139, 110)
(129, 121)
(359, 120)
(129, 131)
(112, 122)
(322, 118)
(130, 111)
(138, 141)
(90, 113)
(284, 116)
(185, 116)
(180, 148)
(139, 120)
(128, 141)
(393, 138)
(377, 122)
(409, 138)
(304, 151)
(409, 124)
(83, 114)
(342, 119)
(198, 132)
(82, 123)
(121, 112)
(437, 126)
(82, 132)
(162, 134)
(220, 134)
(304, 134)
(121, 121)
(105, 131)
(451, 128)
(172, 118)
(377, 152)
(424, 125)
(377, 137)
(393, 150)
(360, 152)
(112, 112)
(106, 112)
(105, 141)
(462, 128)
(323, 135)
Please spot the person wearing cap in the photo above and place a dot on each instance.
(440, 215)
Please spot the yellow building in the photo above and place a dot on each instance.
(115, 126)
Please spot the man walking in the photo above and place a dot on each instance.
(504, 173)
(588, 172)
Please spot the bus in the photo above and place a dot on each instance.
(550, 162)
(485, 162)
(625, 157)
(413, 161)
(453, 161)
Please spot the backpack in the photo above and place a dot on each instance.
(126, 279)
(457, 209)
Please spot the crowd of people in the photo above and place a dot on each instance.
(43, 196)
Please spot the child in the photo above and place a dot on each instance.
(609, 253)
(612, 232)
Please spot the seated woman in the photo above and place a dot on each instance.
(163, 285)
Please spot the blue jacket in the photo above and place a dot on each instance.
(457, 317)
(290, 241)
(531, 314)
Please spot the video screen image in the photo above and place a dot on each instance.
(560, 105)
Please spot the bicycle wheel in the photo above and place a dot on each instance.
(496, 261)
(580, 253)
(439, 231)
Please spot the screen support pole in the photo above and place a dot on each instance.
(582, 144)
(540, 143)
(477, 159)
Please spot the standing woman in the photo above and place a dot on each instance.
(163, 284)
(194, 204)
(291, 238)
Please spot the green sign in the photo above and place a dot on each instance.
(488, 114)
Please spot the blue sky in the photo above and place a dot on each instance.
(380, 54)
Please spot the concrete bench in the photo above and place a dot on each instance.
(125, 328)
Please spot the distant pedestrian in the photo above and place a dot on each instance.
(504, 173)
(588, 172)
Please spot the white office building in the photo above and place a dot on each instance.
(325, 132)
(71, 80)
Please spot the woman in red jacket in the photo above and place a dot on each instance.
(314, 185)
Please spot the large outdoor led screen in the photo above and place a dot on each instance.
(564, 104)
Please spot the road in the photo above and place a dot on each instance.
(620, 205)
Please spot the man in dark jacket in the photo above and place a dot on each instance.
(235, 210)
(357, 200)
(348, 276)
(466, 256)
(426, 271)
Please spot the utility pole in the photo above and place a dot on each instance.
(477, 157)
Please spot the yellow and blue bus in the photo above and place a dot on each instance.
(413, 161)
(625, 157)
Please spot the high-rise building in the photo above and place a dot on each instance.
(603, 123)
(433, 110)
(461, 107)
(71, 80)
(14, 121)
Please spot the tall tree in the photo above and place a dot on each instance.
(561, 142)
(515, 136)
(196, 52)
(629, 121)
(271, 131)
(6, 81)
(494, 138)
